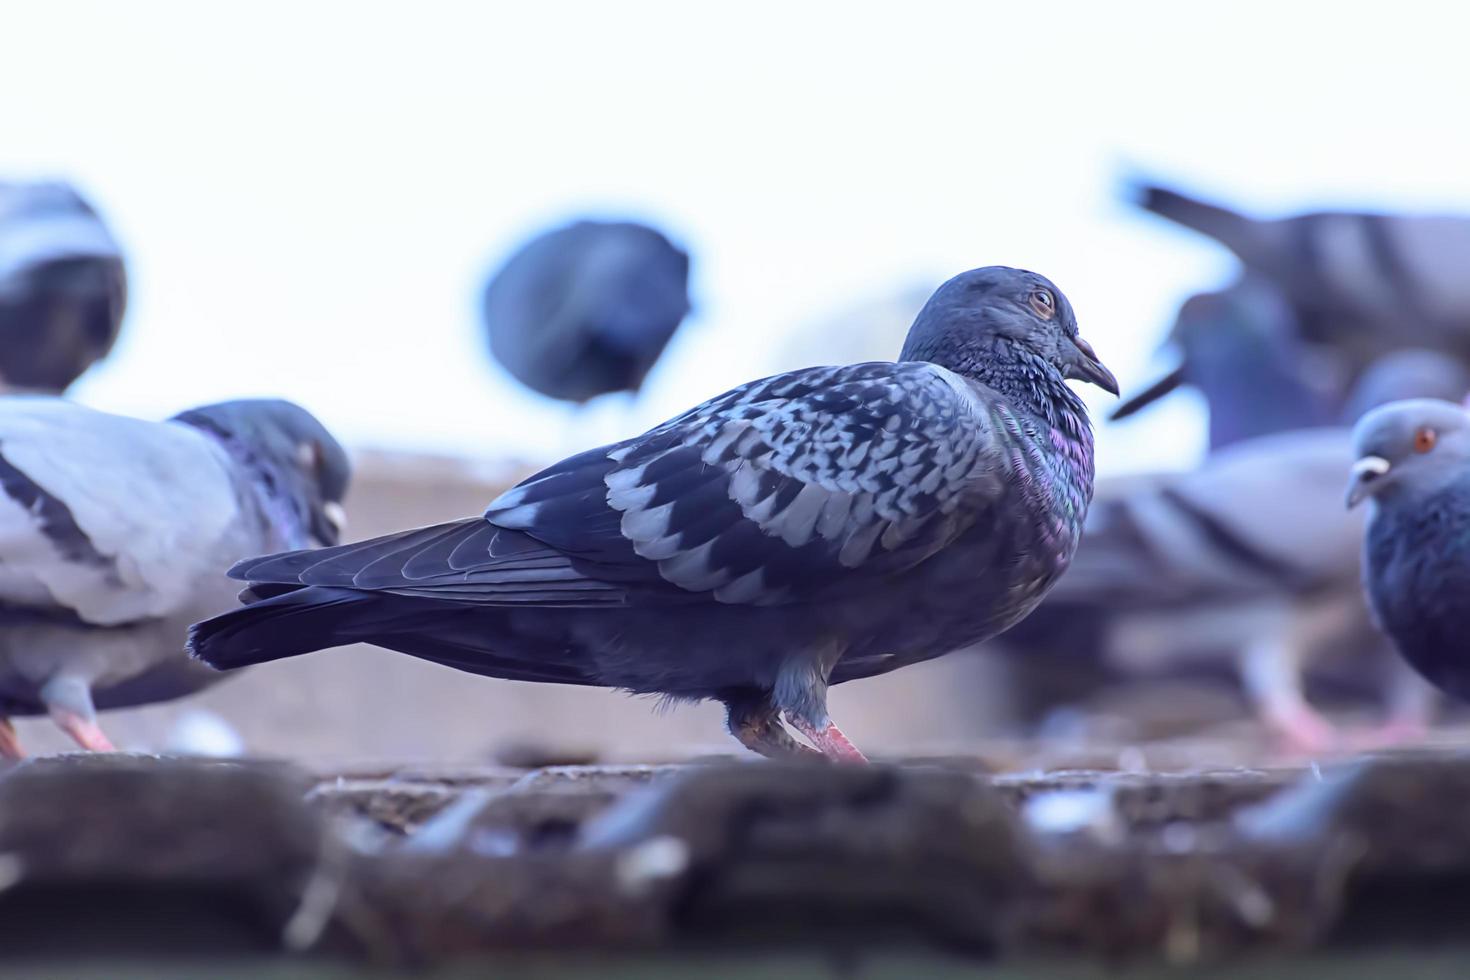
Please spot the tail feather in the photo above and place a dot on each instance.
(1231, 228)
(275, 628)
(289, 624)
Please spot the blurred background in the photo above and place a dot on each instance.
(310, 199)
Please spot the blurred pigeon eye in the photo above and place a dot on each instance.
(1044, 303)
(1424, 439)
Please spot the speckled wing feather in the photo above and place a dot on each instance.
(812, 483)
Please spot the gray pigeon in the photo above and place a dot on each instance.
(1242, 349)
(586, 309)
(63, 288)
(1413, 463)
(1247, 559)
(801, 530)
(1364, 283)
(115, 534)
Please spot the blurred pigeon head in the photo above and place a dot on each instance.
(303, 469)
(1407, 374)
(63, 288)
(1422, 444)
(1241, 348)
(1003, 318)
(586, 309)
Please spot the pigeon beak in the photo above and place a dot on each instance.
(1085, 366)
(1365, 474)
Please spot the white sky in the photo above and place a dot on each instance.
(311, 193)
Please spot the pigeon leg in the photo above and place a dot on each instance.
(9, 742)
(69, 700)
(1412, 703)
(1272, 671)
(829, 740)
(754, 722)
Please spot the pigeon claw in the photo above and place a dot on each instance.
(84, 731)
(829, 741)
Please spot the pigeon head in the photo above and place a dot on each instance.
(1009, 328)
(1418, 444)
(301, 467)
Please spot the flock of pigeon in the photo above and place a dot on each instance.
(801, 530)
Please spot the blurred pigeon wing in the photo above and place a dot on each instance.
(799, 485)
(1257, 519)
(102, 517)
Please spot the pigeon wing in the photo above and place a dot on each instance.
(106, 519)
(810, 483)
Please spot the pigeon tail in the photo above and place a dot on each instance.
(287, 625)
(1232, 229)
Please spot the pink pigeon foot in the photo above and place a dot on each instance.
(9, 741)
(86, 733)
(830, 741)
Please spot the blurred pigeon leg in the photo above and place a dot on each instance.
(1272, 672)
(753, 721)
(1412, 705)
(69, 700)
(829, 740)
(9, 742)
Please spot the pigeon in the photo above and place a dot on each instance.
(1241, 348)
(802, 530)
(586, 309)
(63, 287)
(1364, 283)
(115, 534)
(1246, 560)
(1413, 464)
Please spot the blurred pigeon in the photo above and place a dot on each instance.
(1364, 283)
(115, 534)
(1242, 349)
(586, 309)
(62, 287)
(1247, 558)
(802, 530)
(1413, 463)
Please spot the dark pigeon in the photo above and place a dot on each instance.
(1245, 561)
(63, 287)
(586, 309)
(1242, 349)
(115, 534)
(1413, 464)
(803, 530)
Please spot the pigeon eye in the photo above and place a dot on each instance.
(1044, 303)
(1424, 439)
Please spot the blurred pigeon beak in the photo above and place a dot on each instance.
(1086, 367)
(1149, 395)
(336, 516)
(1365, 473)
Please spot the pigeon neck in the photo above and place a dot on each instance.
(266, 486)
(1031, 384)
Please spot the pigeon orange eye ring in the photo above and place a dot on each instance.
(1424, 439)
(1044, 303)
